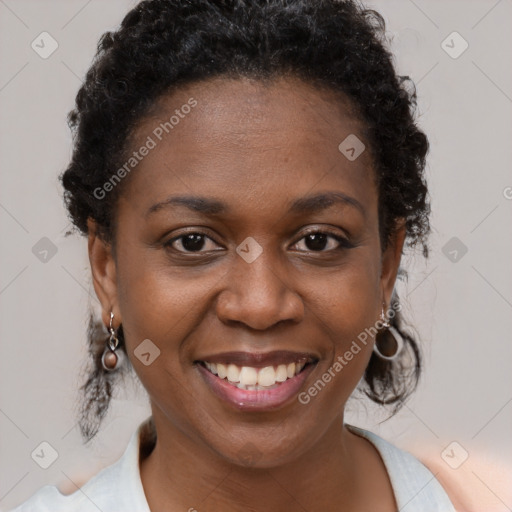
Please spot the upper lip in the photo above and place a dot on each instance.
(259, 359)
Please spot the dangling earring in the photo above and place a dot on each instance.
(110, 360)
(396, 335)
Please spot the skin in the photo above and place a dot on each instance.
(256, 147)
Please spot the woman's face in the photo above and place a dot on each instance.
(240, 168)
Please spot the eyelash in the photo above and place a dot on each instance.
(343, 242)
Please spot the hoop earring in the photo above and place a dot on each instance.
(110, 360)
(396, 335)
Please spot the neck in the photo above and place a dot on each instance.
(183, 473)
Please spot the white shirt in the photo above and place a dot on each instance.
(118, 488)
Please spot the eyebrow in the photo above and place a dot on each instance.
(211, 206)
(205, 205)
(318, 202)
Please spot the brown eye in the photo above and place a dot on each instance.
(193, 242)
(316, 241)
(190, 242)
(324, 241)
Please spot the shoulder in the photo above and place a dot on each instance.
(91, 496)
(415, 487)
(116, 488)
(48, 498)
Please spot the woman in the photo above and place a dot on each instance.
(247, 175)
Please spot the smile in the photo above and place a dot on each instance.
(257, 382)
(256, 379)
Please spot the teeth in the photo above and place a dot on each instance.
(233, 373)
(222, 371)
(281, 373)
(299, 366)
(248, 376)
(254, 379)
(267, 376)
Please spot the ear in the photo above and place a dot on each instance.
(103, 268)
(391, 261)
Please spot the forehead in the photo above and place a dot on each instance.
(250, 142)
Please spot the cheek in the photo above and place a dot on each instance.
(346, 309)
(158, 304)
(350, 300)
(166, 306)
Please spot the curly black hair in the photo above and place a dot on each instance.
(335, 44)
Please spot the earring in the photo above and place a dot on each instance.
(110, 360)
(396, 335)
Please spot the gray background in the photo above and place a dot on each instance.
(461, 308)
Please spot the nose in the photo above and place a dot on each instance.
(258, 296)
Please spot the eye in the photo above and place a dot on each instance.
(191, 242)
(324, 241)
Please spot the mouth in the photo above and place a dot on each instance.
(256, 381)
(250, 378)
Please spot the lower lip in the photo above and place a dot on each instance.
(258, 400)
